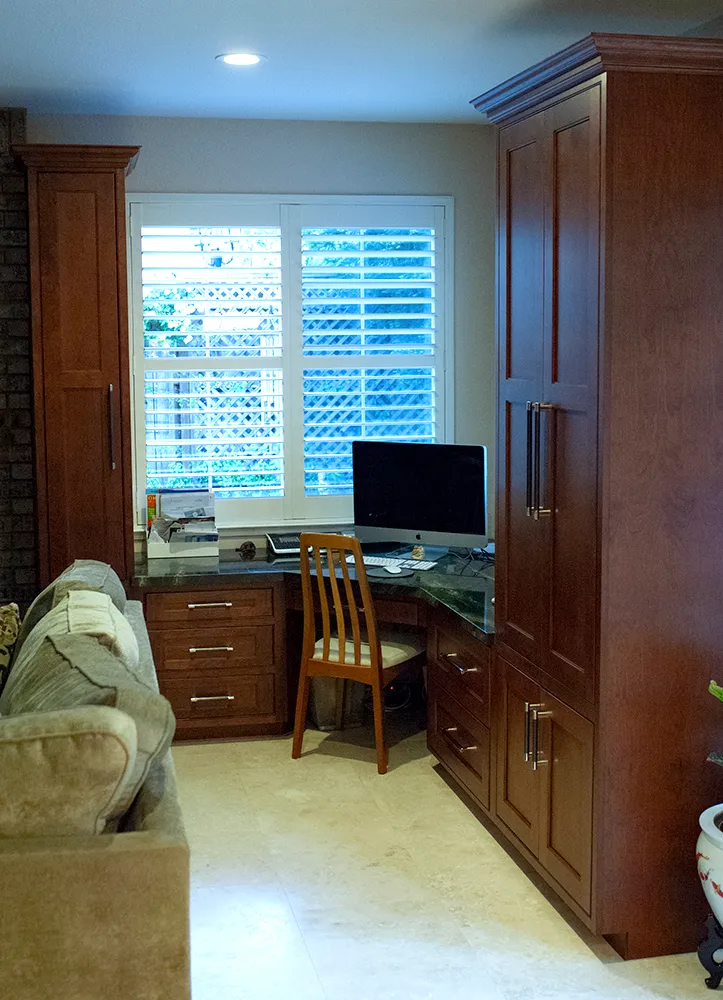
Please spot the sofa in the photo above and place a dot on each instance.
(94, 861)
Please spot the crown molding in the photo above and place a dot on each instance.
(599, 53)
(49, 156)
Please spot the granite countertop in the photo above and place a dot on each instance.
(464, 587)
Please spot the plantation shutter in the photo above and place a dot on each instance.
(269, 335)
(372, 336)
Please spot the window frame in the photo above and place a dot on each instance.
(290, 213)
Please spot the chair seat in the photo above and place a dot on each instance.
(394, 651)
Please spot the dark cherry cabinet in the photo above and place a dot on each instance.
(545, 780)
(80, 354)
(548, 265)
(609, 508)
(517, 798)
(459, 705)
(219, 651)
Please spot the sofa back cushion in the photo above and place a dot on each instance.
(89, 573)
(68, 670)
(64, 773)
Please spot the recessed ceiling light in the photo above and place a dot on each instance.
(241, 58)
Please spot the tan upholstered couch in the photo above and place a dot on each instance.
(97, 916)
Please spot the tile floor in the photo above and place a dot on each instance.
(318, 879)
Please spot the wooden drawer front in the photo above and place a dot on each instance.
(463, 667)
(461, 742)
(204, 606)
(228, 696)
(224, 647)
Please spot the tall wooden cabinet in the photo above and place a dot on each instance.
(80, 354)
(609, 577)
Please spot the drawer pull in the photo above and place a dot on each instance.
(458, 666)
(209, 649)
(212, 697)
(457, 746)
(213, 604)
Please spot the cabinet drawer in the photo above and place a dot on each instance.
(223, 647)
(205, 606)
(221, 695)
(463, 667)
(461, 742)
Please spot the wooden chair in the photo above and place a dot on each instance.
(351, 650)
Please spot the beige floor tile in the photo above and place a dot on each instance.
(318, 879)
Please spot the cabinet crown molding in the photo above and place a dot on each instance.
(51, 156)
(596, 54)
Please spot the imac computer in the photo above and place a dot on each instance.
(426, 494)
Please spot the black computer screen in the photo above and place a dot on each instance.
(422, 487)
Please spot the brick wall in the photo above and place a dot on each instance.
(17, 518)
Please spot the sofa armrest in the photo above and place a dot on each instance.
(95, 917)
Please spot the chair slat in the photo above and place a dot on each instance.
(325, 624)
(331, 553)
(353, 613)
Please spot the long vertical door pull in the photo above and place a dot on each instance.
(537, 490)
(111, 425)
(529, 459)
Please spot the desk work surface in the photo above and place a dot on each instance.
(463, 586)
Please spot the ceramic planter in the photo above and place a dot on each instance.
(709, 855)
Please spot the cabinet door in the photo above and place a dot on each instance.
(565, 772)
(520, 565)
(517, 798)
(78, 358)
(569, 430)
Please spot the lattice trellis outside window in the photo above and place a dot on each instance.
(262, 351)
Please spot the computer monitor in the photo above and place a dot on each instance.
(427, 494)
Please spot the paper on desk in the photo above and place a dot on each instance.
(184, 505)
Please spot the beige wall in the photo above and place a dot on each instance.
(191, 155)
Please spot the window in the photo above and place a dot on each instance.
(268, 335)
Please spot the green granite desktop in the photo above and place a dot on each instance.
(463, 586)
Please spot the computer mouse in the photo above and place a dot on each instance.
(394, 570)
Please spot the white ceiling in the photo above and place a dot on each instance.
(378, 60)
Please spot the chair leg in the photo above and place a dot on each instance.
(302, 704)
(340, 699)
(378, 701)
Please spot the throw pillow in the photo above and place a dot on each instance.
(68, 670)
(9, 627)
(64, 773)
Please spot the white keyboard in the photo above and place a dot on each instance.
(386, 561)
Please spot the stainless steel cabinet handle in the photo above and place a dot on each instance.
(212, 697)
(530, 710)
(209, 649)
(536, 716)
(457, 746)
(111, 426)
(458, 666)
(213, 604)
(537, 508)
(528, 498)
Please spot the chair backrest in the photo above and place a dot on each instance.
(330, 552)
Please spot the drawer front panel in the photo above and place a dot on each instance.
(214, 696)
(224, 647)
(461, 742)
(463, 667)
(206, 606)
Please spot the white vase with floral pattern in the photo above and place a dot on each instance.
(709, 855)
